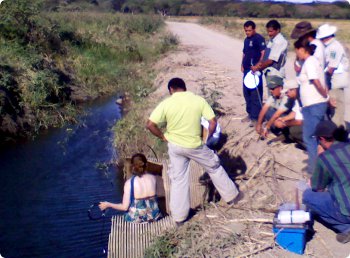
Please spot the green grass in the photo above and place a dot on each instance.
(96, 53)
(234, 26)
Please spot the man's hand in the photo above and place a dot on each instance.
(256, 67)
(153, 128)
(280, 123)
(265, 132)
(258, 128)
(332, 102)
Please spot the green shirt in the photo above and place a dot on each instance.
(332, 172)
(182, 112)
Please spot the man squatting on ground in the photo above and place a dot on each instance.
(182, 112)
(329, 196)
(253, 52)
(275, 55)
(291, 124)
(276, 105)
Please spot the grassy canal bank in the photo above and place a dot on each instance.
(52, 61)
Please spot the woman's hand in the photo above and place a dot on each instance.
(104, 205)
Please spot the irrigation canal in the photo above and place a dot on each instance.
(48, 184)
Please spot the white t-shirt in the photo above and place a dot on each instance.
(297, 110)
(205, 124)
(319, 52)
(311, 70)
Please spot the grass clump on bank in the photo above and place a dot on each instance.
(51, 61)
(194, 239)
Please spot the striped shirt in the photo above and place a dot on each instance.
(332, 172)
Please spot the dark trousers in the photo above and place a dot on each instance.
(326, 210)
(253, 98)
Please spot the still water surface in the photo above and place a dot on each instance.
(47, 186)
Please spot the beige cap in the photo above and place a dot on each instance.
(290, 84)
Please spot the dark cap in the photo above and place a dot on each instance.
(325, 128)
(301, 29)
(274, 81)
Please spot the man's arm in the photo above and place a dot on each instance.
(154, 129)
(261, 118)
(262, 65)
(319, 87)
(242, 68)
(276, 115)
(262, 52)
(212, 127)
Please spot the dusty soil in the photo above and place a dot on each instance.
(209, 62)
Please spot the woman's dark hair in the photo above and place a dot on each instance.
(176, 83)
(249, 24)
(139, 164)
(274, 24)
(304, 43)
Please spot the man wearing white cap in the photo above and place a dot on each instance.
(291, 124)
(336, 72)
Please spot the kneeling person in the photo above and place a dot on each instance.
(277, 104)
(329, 196)
(291, 124)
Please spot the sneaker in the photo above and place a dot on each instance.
(252, 123)
(179, 223)
(246, 119)
(343, 237)
(236, 200)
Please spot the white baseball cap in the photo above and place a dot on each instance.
(290, 84)
(325, 31)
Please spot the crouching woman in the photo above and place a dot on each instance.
(139, 199)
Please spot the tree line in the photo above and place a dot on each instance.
(256, 9)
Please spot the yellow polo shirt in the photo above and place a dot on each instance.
(182, 112)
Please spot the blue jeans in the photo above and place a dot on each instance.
(312, 116)
(253, 98)
(213, 142)
(324, 208)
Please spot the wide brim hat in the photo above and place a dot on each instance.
(301, 29)
(274, 81)
(325, 31)
(325, 128)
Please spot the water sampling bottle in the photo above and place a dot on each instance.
(293, 217)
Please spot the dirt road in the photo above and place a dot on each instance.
(209, 62)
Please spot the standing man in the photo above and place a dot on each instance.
(275, 55)
(253, 52)
(182, 113)
(329, 196)
(337, 72)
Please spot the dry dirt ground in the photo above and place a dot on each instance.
(209, 62)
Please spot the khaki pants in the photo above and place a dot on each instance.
(179, 177)
(347, 104)
(338, 95)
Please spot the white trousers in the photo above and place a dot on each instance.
(179, 177)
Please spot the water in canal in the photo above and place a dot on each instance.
(47, 186)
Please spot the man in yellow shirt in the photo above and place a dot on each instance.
(182, 113)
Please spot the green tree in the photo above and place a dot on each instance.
(17, 18)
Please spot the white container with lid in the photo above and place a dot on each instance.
(293, 217)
